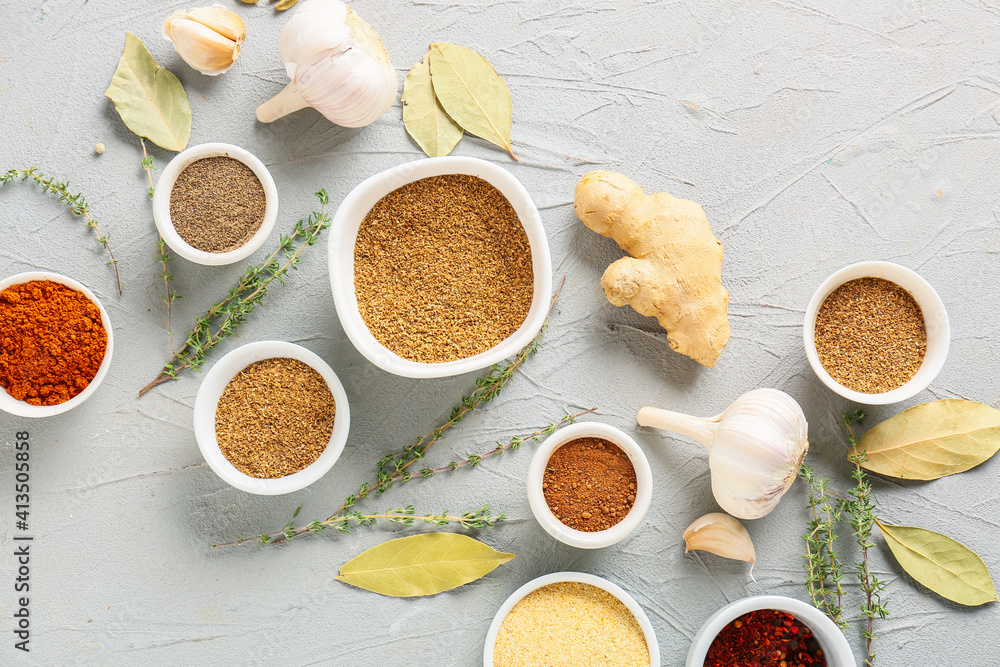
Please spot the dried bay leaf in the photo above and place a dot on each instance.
(472, 93)
(941, 564)
(421, 564)
(150, 99)
(932, 440)
(424, 118)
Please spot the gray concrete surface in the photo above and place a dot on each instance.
(814, 133)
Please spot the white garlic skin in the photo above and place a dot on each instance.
(208, 39)
(721, 535)
(337, 64)
(755, 448)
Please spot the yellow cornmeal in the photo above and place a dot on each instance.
(570, 624)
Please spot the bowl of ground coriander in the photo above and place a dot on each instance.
(571, 619)
(876, 333)
(439, 267)
(215, 204)
(271, 417)
(55, 347)
(589, 485)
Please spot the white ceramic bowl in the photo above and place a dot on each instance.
(835, 647)
(935, 320)
(583, 578)
(15, 407)
(165, 184)
(344, 232)
(580, 538)
(215, 382)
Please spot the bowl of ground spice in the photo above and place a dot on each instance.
(769, 631)
(589, 485)
(439, 267)
(55, 344)
(215, 204)
(876, 333)
(271, 417)
(571, 619)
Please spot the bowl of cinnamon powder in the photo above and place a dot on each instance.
(589, 485)
(439, 267)
(56, 344)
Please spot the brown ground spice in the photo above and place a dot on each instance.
(870, 335)
(274, 418)
(589, 484)
(217, 204)
(442, 269)
(570, 624)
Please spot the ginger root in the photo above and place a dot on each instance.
(675, 269)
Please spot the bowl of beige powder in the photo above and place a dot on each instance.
(571, 619)
(439, 267)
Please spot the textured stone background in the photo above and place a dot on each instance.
(814, 133)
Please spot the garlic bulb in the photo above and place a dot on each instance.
(720, 534)
(337, 65)
(755, 448)
(208, 39)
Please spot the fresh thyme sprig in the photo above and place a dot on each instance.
(227, 315)
(487, 388)
(147, 164)
(860, 509)
(291, 530)
(163, 256)
(77, 204)
(823, 565)
(171, 294)
(473, 460)
(481, 518)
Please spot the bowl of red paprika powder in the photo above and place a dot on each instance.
(53, 355)
(768, 630)
(589, 485)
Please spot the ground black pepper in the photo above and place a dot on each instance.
(217, 204)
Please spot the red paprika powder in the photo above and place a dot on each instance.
(765, 638)
(51, 342)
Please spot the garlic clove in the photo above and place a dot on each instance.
(208, 39)
(221, 20)
(721, 535)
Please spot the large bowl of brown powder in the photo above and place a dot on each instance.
(439, 267)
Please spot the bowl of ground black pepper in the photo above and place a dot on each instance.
(439, 267)
(215, 204)
(55, 344)
(271, 417)
(571, 619)
(589, 485)
(769, 631)
(876, 333)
